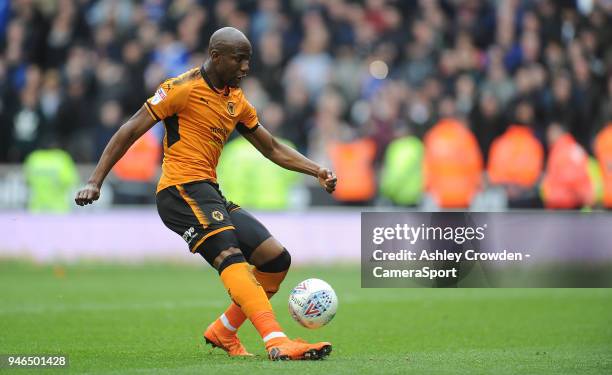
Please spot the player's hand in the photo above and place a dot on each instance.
(88, 194)
(327, 179)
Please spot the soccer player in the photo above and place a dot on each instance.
(200, 108)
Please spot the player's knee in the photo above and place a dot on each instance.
(228, 257)
(280, 263)
(221, 250)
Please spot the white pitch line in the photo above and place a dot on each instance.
(95, 306)
(429, 295)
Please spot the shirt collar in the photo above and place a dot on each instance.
(206, 78)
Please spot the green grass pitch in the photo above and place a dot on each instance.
(147, 319)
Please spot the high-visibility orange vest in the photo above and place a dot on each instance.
(141, 162)
(566, 183)
(516, 158)
(603, 153)
(453, 164)
(353, 165)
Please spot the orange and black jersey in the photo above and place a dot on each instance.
(198, 119)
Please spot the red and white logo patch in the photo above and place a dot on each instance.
(160, 95)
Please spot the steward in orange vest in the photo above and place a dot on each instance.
(516, 160)
(141, 163)
(353, 163)
(453, 164)
(566, 183)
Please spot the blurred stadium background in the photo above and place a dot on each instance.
(371, 88)
(426, 105)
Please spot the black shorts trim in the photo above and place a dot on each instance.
(212, 233)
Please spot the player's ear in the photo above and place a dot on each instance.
(215, 55)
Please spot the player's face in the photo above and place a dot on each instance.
(236, 64)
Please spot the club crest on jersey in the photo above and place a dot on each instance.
(160, 95)
(231, 108)
(217, 215)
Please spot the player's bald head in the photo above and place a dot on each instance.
(230, 52)
(228, 39)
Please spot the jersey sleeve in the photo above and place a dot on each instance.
(169, 99)
(248, 117)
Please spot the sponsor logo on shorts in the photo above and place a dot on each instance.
(189, 235)
(217, 215)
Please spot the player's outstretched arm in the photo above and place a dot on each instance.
(289, 158)
(127, 134)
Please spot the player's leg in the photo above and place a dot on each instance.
(270, 259)
(271, 262)
(196, 211)
(220, 247)
(246, 292)
(222, 252)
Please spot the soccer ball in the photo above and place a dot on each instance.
(313, 303)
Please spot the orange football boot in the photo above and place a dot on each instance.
(282, 348)
(220, 337)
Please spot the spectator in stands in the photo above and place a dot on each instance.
(328, 126)
(133, 55)
(29, 126)
(385, 120)
(51, 97)
(562, 108)
(74, 121)
(269, 63)
(109, 118)
(298, 111)
(487, 121)
(313, 65)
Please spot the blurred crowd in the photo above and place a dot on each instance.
(323, 72)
